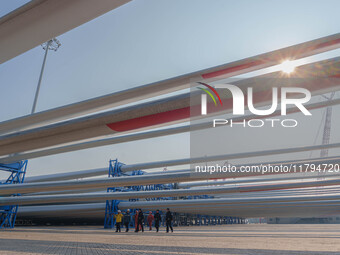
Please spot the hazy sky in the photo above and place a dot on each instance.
(149, 40)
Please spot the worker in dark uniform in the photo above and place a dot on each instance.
(140, 221)
(127, 219)
(136, 220)
(168, 220)
(158, 219)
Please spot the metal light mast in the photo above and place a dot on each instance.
(52, 44)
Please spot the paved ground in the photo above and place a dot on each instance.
(236, 239)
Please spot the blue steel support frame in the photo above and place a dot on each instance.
(8, 214)
(112, 205)
(110, 211)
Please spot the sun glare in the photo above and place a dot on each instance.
(287, 67)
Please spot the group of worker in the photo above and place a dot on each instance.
(139, 220)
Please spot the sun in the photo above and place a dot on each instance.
(287, 66)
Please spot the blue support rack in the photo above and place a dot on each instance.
(110, 211)
(17, 172)
(112, 205)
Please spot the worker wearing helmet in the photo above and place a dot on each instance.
(119, 219)
(127, 219)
